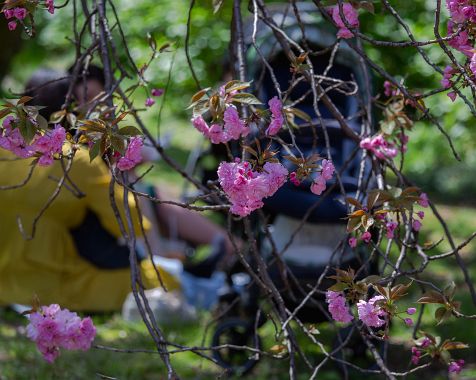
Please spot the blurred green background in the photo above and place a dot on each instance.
(429, 163)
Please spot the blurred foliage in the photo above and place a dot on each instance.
(429, 161)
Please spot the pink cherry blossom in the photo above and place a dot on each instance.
(277, 119)
(200, 124)
(337, 306)
(216, 134)
(319, 185)
(12, 25)
(149, 102)
(416, 354)
(20, 13)
(52, 328)
(353, 242)
(456, 366)
(416, 225)
(389, 89)
(50, 4)
(351, 17)
(366, 236)
(426, 342)
(370, 312)
(157, 92)
(461, 40)
(293, 179)
(49, 144)
(448, 74)
(133, 156)
(452, 95)
(234, 126)
(12, 140)
(472, 64)
(9, 13)
(327, 169)
(379, 146)
(246, 188)
(423, 200)
(391, 226)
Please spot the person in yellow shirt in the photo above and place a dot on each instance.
(49, 265)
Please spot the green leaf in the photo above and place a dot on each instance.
(338, 287)
(94, 150)
(72, 119)
(431, 297)
(118, 144)
(198, 95)
(27, 129)
(245, 99)
(354, 224)
(372, 279)
(395, 191)
(92, 125)
(130, 130)
(300, 114)
(372, 199)
(237, 86)
(57, 117)
(42, 123)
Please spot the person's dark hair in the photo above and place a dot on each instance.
(92, 72)
(48, 88)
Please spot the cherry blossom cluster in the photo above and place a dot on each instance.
(18, 14)
(351, 17)
(53, 328)
(247, 183)
(320, 182)
(392, 138)
(463, 18)
(246, 187)
(232, 127)
(428, 347)
(338, 307)
(372, 312)
(375, 312)
(133, 155)
(382, 218)
(456, 366)
(447, 82)
(379, 146)
(45, 146)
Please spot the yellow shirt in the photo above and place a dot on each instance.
(48, 265)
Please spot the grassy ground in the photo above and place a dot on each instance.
(19, 358)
